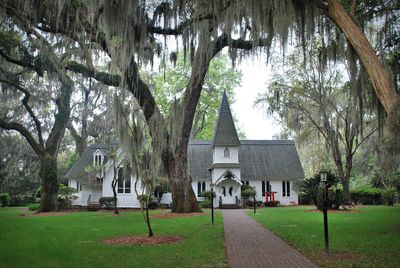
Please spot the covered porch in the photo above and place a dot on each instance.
(227, 189)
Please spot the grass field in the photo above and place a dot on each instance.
(370, 238)
(73, 240)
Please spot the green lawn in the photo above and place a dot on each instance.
(72, 240)
(370, 238)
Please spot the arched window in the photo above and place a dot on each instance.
(97, 159)
(227, 152)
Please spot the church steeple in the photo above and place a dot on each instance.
(225, 131)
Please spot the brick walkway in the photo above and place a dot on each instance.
(249, 244)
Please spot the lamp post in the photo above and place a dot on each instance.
(212, 202)
(324, 176)
(254, 200)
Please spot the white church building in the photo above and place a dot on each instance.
(226, 163)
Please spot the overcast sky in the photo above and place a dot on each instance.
(253, 121)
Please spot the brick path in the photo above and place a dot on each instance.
(249, 244)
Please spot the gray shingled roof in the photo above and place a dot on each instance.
(225, 131)
(77, 171)
(259, 160)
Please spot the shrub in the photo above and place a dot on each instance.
(249, 192)
(304, 199)
(312, 189)
(34, 207)
(207, 195)
(366, 195)
(153, 204)
(272, 204)
(21, 200)
(4, 199)
(388, 196)
(337, 198)
(107, 202)
(258, 203)
(205, 204)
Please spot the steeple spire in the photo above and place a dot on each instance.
(225, 131)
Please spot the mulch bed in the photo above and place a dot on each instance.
(340, 211)
(170, 215)
(142, 240)
(43, 214)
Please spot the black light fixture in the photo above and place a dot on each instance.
(323, 175)
(212, 202)
(254, 199)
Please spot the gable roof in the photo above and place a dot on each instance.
(258, 160)
(225, 131)
(78, 169)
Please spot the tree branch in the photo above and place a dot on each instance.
(364, 139)
(25, 101)
(103, 77)
(24, 132)
(24, 64)
(74, 133)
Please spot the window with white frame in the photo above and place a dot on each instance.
(286, 188)
(78, 186)
(98, 159)
(227, 152)
(201, 187)
(265, 187)
(124, 182)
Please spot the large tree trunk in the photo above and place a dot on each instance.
(183, 197)
(379, 75)
(49, 176)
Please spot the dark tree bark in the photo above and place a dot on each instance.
(49, 176)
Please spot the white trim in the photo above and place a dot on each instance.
(223, 178)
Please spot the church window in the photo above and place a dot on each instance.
(124, 184)
(97, 159)
(285, 188)
(201, 187)
(265, 187)
(227, 152)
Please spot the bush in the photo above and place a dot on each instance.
(107, 202)
(207, 195)
(34, 207)
(205, 204)
(312, 189)
(21, 200)
(4, 199)
(388, 196)
(153, 204)
(305, 199)
(337, 198)
(366, 195)
(249, 192)
(272, 204)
